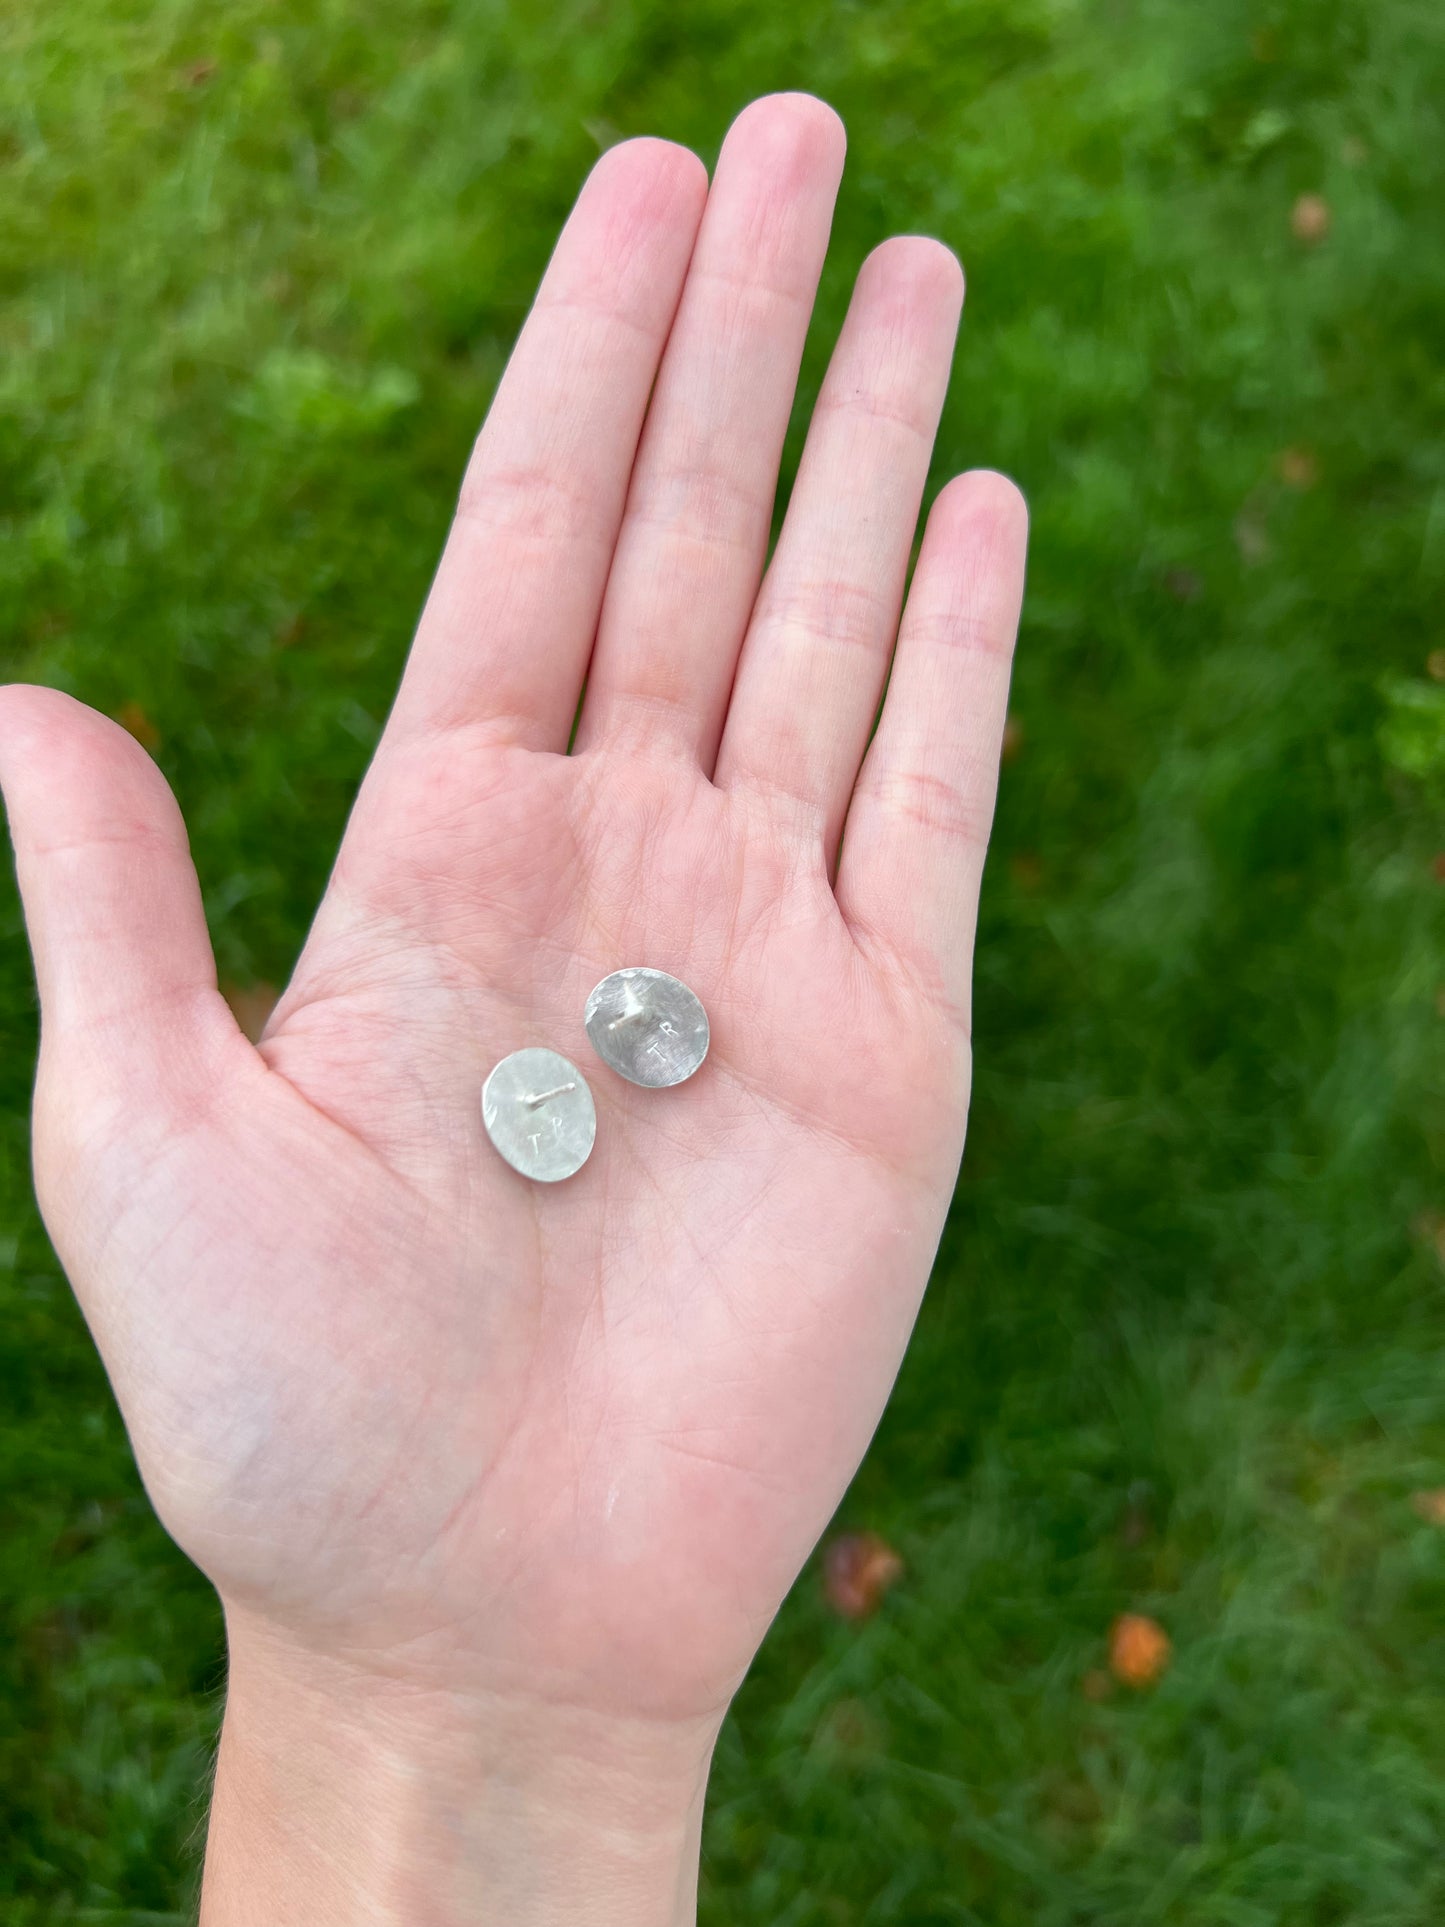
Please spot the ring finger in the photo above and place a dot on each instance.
(817, 652)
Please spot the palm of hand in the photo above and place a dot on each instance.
(393, 1398)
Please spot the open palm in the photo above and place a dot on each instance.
(397, 1401)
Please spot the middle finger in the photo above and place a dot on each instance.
(700, 505)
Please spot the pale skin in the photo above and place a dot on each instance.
(500, 1484)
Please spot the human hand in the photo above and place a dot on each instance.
(500, 1484)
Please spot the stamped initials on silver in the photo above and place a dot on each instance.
(648, 1026)
(539, 1113)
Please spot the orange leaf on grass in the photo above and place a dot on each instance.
(1297, 467)
(134, 720)
(849, 1731)
(1139, 1650)
(1310, 218)
(858, 1569)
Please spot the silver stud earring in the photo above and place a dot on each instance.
(539, 1113)
(648, 1026)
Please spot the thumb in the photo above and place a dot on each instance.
(112, 905)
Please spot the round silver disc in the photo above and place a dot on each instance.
(539, 1113)
(648, 1026)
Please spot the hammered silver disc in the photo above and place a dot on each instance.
(648, 1026)
(539, 1113)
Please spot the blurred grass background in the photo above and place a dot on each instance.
(260, 267)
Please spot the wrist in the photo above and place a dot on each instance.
(343, 1796)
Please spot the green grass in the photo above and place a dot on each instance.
(259, 269)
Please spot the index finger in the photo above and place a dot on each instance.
(508, 625)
